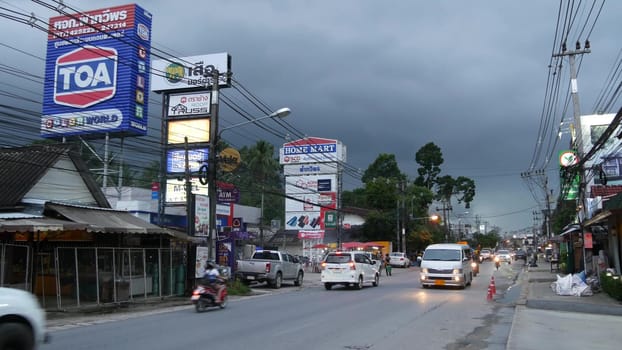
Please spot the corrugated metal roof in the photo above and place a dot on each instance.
(21, 168)
(103, 220)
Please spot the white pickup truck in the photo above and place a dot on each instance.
(22, 321)
(271, 266)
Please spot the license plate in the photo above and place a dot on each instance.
(195, 297)
(439, 283)
(250, 277)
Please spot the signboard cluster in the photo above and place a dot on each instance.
(186, 86)
(185, 82)
(311, 168)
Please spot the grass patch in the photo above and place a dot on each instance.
(236, 287)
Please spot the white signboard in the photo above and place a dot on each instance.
(201, 215)
(201, 261)
(309, 202)
(317, 168)
(189, 104)
(310, 184)
(312, 150)
(176, 189)
(189, 72)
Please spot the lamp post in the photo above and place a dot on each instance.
(213, 160)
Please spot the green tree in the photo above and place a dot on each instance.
(356, 198)
(430, 158)
(385, 166)
(262, 181)
(378, 226)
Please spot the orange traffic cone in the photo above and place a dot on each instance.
(489, 295)
(492, 287)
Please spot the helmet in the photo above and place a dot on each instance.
(209, 265)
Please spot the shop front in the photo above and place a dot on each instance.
(97, 257)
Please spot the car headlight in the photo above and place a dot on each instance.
(424, 270)
(457, 271)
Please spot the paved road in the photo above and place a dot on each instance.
(396, 315)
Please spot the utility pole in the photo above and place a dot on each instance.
(577, 142)
(212, 165)
(188, 188)
(446, 208)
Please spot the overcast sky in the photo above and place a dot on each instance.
(381, 77)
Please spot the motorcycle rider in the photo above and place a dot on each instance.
(213, 280)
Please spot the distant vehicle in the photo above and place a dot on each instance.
(22, 321)
(399, 259)
(271, 266)
(485, 254)
(351, 269)
(504, 255)
(520, 254)
(548, 253)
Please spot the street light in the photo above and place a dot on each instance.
(279, 113)
(212, 159)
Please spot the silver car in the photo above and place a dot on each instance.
(399, 259)
(504, 255)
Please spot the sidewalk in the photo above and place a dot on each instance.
(544, 319)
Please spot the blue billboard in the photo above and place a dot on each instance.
(97, 73)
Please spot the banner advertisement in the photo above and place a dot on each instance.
(317, 168)
(201, 261)
(305, 234)
(176, 160)
(312, 150)
(97, 73)
(201, 215)
(193, 72)
(189, 104)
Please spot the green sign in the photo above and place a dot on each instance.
(330, 219)
(571, 190)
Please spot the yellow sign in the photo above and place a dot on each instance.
(229, 159)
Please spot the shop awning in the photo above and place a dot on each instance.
(102, 220)
(567, 230)
(598, 218)
(38, 225)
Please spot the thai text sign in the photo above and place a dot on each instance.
(96, 73)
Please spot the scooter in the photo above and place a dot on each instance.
(204, 296)
(497, 262)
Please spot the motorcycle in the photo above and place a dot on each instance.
(497, 262)
(204, 296)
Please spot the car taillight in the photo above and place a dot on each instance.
(268, 266)
(352, 266)
(401, 259)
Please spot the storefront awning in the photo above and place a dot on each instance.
(103, 220)
(567, 230)
(38, 225)
(598, 218)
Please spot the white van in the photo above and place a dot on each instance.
(446, 264)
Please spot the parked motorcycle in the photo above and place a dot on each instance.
(497, 262)
(204, 296)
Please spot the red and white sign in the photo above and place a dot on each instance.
(311, 234)
(587, 241)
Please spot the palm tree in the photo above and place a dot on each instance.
(262, 166)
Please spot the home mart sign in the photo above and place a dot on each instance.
(312, 150)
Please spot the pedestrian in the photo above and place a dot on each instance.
(387, 264)
(380, 260)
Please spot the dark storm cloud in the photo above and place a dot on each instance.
(389, 77)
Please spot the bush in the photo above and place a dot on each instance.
(612, 286)
(235, 287)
